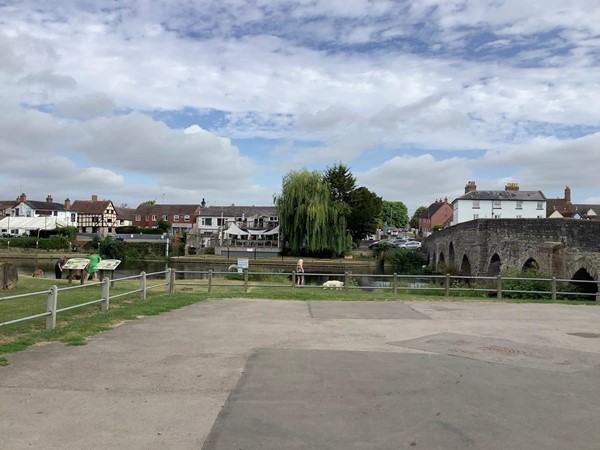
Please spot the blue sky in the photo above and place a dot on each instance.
(178, 101)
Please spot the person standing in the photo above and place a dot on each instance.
(92, 270)
(300, 273)
(58, 268)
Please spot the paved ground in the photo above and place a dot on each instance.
(258, 374)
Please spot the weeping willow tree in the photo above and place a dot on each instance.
(310, 221)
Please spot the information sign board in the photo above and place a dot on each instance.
(242, 264)
(76, 264)
(108, 264)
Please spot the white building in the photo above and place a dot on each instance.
(511, 203)
(58, 212)
(216, 224)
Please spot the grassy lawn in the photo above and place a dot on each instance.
(74, 326)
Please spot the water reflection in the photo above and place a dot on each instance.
(199, 270)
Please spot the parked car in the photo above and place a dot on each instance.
(412, 245)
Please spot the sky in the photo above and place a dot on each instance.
(178, 101)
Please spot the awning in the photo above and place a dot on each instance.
(32, 223)
(273, 231)
(234, 229)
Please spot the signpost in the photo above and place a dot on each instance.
(242, 264)
(79, 264)
(107, 267)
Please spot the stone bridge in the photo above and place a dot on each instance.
(565, 248)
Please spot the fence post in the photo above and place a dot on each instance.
(499, 288)
(346, 281)
(395, 284)
(245, 281)
(171, 284)
(553, 288)
(293, 282)
(52, 301)
(105, 294)
(447, 286)
(143, 286)
(210, 275)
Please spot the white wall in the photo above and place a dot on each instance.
(464, 211)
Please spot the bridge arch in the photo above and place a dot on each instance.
(495, 265)
(585, 283)
(441, 264)
(530, 264)
(451, 256)
(465, 266)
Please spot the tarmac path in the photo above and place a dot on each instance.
(264, 374)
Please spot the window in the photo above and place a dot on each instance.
(176, 218)
(55, 213)
(497, 216)
(475, 216)
(186, 218)
(138, 217)
(176, 230)
(154, 217)
(475, 204)
(165, 217)
(207, 221)
(497, 204)
(540, 205)
(519, 216)
(520, 204)
(221, 221)
(72, 217)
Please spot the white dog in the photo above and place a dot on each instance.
(333, 284)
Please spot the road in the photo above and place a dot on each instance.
(264, 374)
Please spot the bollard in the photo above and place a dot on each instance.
(105, 294)
(143, 286)
(52, 302)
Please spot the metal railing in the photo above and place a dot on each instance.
(444, 285)
(53, 293)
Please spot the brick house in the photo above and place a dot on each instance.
(95, 216)
(439, 213)
(558, 208)
(180, 217)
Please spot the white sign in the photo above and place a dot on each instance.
(242, 264)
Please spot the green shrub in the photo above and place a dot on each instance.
(406, 262)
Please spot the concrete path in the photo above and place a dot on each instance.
(259, 374)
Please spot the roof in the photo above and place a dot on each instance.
(125, 213)
(238, 211)
(584, 209)
(32, 223)
(46, 206)
(167, 210)
(433, 208)
(503, 195)
(90, 207)
(7, 204)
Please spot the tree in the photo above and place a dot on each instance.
(365, 209)
(148, 203)
(308, 217)
(341, 183)
(414, 221)
(163, 225)
(394, 214)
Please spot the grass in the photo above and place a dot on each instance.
(73, 327)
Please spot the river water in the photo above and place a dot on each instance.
(194, 270)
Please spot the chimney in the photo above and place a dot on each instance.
(445, 199)
(94, 198)
(22, 198)
(49, 199)
(512, 187)
(567, 194)
(470, 187)
(68, 204)
(203, 204)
